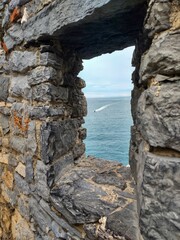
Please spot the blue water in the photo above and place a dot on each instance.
(108, 129)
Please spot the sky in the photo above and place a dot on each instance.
(108, 75)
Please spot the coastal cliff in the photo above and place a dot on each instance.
(48, 188)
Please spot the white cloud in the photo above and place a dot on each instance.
(109, 74)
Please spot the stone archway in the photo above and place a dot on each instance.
(42, 109)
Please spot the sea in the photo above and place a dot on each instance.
(108, 124)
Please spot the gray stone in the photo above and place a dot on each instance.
(20, 88)
(78, 102)
(41, 218)
(81, 199)
(15, 3)
(51, 59)
(22, 61)
(21, 184)
(4, 85)
(158, 115)
(42, 74)
(61, 222)
(78, 150)
(58, 138)
(59, 167)
(158, 17)
(4, 124)
(46, 111)
(12, 160)
(13, 36)
(48, 92)
(22, 2)
(18, 144)
(6, 17)
(29, 169)
(160, 212)
(124, 222)
(40, 178)
(162, 57)
(58, 231)
(31, 138)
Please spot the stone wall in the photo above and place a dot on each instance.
(155, 143)
(48, 189)
(42, 109)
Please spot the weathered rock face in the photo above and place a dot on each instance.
(48, 189)
(81, 26)
(155, 143)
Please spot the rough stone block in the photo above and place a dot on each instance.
(31, 141)
(22, 61)
(78, 102)
(13, 36)
(51, 59)
(158, 115)
(46, 111)
(20, 88)
(48, 92)
(57, 138)
(158, 17)
(160, 207)
(42, 74)
(162, 58)
(4, 85)
(59, 167)
(18, 144)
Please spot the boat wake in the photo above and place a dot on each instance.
(102, 108)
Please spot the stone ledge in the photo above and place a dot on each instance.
(97, 191)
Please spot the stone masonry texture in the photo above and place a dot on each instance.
(49, 189)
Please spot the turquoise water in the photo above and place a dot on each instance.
(108, 128)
